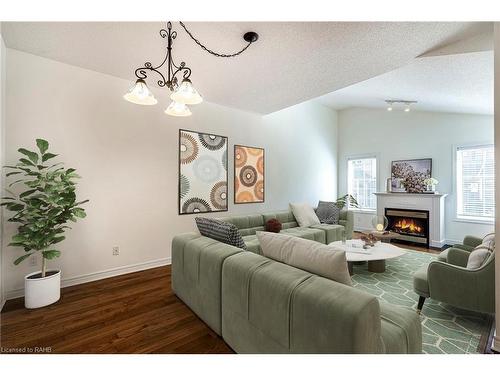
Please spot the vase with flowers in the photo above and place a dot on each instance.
(430, 184)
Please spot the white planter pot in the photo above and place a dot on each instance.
(39, 292)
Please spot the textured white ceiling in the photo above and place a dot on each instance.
(460, 83)
(292, 61)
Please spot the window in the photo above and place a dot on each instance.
(362, 181)
(475, 182)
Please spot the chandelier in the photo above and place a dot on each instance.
(183, 93)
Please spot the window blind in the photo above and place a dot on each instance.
(476, 182)
(362, 181)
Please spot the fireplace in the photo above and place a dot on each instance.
(411, 225)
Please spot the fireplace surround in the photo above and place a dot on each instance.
(412, 225)
(433, 203)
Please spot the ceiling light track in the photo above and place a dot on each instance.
(183, 94)
(406, 103)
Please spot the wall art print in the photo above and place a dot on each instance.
(202, 172)
(410, 174)
(248, 174)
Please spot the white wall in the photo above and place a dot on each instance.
(127, 156)
(2, 153)
(399, 135)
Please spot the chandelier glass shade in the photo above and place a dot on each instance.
(140, 94)
(178, 109)
(186, 93)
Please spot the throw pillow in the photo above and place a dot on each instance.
(328, 212)
(478, 257)
(304, 214)
(305, 254)
(273, 225)
(489, 241)
(221, 231)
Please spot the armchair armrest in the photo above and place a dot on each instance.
(457, 257)
(347, 220)
(472, 241)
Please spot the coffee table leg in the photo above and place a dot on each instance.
(349, 267)
(377, 266)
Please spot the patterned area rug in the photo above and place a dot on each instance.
(445, 329)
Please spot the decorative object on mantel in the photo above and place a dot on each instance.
(430, 185)
(183, 94)
(202, 172)
(412, 173)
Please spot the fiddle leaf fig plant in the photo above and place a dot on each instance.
(44, 203)
(347, 200)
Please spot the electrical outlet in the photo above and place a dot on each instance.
(116, 250)
(33, 261)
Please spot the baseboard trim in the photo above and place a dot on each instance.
(99, 275)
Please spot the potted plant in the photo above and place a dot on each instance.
(42, 209)
(347, 201)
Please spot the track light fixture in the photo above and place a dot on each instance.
(183, 93)
(406, 103)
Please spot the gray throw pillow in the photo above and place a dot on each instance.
(221, 231)
(478, 257)
(328, 212)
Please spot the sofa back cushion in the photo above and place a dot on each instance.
(304, 214)
(247, 224)
(220, 231)
(308, 255)
(286, 218)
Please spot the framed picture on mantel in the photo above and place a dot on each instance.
(409, 175)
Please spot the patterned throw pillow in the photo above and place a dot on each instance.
(328, 212)
(221, 231)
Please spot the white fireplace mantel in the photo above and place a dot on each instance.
(434, 203)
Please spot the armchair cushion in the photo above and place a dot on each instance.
(472, 241)
(420, 283)
(457, 257)
(478, 257)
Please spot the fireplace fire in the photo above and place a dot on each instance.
(411, 225)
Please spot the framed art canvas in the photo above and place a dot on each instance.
(248, 174)
(412, 173)
(202, 172)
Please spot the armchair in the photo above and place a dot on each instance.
(451, 282)
(469, 244)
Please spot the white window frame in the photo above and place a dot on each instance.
(377, 175)
(457, 217)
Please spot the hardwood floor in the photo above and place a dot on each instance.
(133, 313)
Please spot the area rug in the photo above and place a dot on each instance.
(445, 329)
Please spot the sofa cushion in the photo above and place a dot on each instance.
(401, 329)
(252, 243)
(304, 214)
(328, 212)
(332, 232)
(247, 224)
(312, 234)
(420, 283)
(307, 255)
(286, 218)
(220, 231)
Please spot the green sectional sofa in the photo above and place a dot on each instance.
(325, 233)
(259, 305)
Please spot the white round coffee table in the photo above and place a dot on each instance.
(375, 256)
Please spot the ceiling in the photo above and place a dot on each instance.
(292, 61)
(457, 83)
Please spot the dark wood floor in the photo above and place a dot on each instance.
(133, 313)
